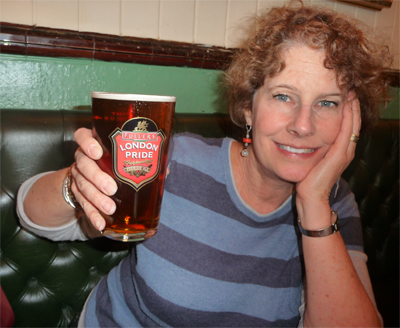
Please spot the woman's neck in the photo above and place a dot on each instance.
(261, 190)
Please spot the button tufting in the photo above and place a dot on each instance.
(47, 282)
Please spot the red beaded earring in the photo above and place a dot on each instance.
(246, 141)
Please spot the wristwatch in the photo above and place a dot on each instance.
(323, 232)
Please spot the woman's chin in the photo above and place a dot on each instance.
(294, 176)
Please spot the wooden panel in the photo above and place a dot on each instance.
(41, 41)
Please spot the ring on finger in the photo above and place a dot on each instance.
(354, 138)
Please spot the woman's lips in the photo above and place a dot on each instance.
(297, 150)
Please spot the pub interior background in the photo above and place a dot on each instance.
(37, 79)
(53, 53)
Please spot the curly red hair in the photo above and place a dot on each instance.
(360, 65)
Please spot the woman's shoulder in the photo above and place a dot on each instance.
(196, 139)
(194, 145)
(200, 155)
(342, 200)
(341, 191)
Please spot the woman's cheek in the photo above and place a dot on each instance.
(330, 127)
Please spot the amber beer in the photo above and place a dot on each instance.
(134, 131)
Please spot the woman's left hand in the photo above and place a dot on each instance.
(312, 193)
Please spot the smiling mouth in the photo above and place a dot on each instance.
(297, 150)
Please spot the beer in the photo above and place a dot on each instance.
(134, 132)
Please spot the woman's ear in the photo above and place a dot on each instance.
(247, 117)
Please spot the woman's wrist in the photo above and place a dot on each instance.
(68, 195)
(314, 215)
(329, 230)
(44, 203)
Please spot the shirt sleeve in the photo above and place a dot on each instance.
(343, 201)
(75, 230)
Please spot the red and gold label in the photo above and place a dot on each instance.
(137, 151)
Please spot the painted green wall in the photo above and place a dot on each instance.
(57, 83)
(393, 108)
(54, 83)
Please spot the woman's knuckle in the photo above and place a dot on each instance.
(84, 187)
(76, 133)
(83, 162)
(78, 157)
(79, 132)
(85, 207)
(98, 176)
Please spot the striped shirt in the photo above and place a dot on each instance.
(215, 262)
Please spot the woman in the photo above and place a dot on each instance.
(229, 251)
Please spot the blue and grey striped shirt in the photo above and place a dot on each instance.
(214, 262)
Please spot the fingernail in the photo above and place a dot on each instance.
(108, 207)
(94, 152)
(99, 224)
(109, 188)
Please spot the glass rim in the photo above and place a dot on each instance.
(131, 96)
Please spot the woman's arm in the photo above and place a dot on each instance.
(44, 203)
(359, 260)
(335, 296)
(70, 231)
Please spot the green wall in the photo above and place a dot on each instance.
(393, 108)
(59, 83)
(55, 83)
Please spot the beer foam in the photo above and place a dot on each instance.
(131, 97)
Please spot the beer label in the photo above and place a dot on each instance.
(136, 149)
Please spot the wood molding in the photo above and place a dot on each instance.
(42, 41)
(394, 77)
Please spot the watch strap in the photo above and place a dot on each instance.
(334, 227)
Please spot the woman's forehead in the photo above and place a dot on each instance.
(302, 62)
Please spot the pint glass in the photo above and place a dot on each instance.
(134, 131)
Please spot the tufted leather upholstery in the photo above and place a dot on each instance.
(47, 282)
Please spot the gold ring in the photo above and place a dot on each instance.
(354, 138)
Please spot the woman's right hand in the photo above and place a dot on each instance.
(92, 186)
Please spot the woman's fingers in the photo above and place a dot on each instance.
(323, 176)
(86, 165)
(92, 186)
(88, 144)
(342, 152)
(356, 112)
(91, 172)
(91, 212)
(92, 200)
(91, 192)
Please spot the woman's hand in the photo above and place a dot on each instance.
(312, 198)
(92, 186)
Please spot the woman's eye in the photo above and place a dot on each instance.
(326, 103)
(282, 97)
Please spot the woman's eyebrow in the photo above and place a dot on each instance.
(287, 86)
(291, 87)
(332, 95)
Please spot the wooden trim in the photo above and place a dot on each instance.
(370, 4)
(394, 77)
(42, 41)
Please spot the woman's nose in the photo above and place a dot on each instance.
(302, 124)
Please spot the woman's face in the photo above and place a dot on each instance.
(296, 116)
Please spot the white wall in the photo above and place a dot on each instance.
(213, 22)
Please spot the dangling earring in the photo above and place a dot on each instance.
(246, 141)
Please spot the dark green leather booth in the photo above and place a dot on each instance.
(47, 282)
